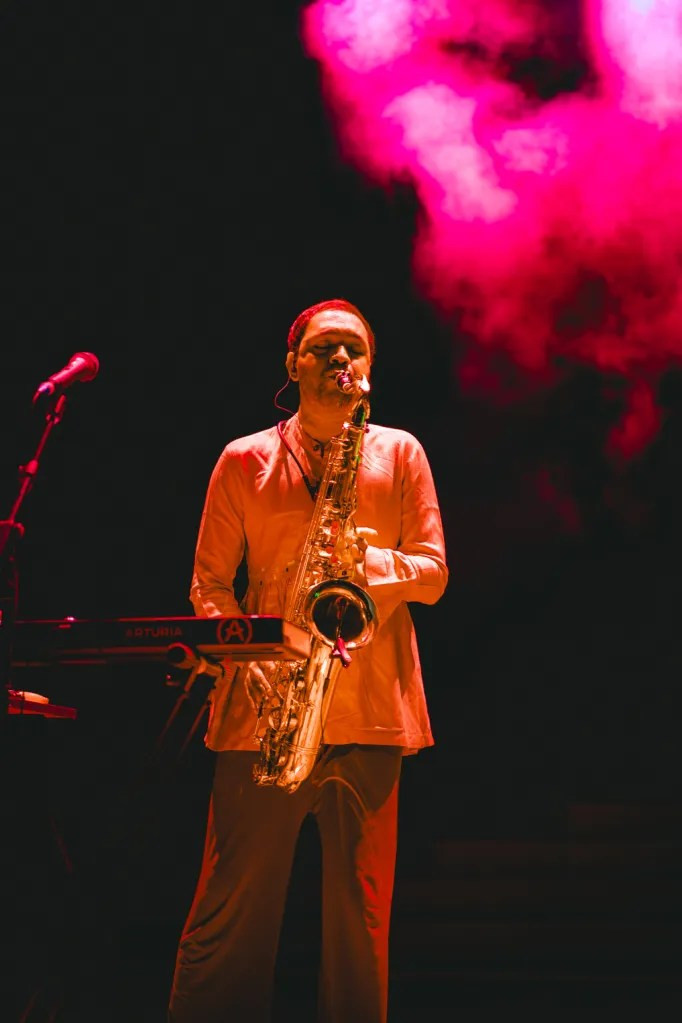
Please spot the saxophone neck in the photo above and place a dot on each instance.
(359, 388)
(360, 414)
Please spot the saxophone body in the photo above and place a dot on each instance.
(339, 614)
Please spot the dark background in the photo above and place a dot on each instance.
(171, 196)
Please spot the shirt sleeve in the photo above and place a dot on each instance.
(416, 570)
(220, 541)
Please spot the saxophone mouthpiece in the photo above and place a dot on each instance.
(345, 381)
(349, 384)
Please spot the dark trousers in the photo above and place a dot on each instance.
(228, 948)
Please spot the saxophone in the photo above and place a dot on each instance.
(339, 614)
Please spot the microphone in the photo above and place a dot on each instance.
(81, 366)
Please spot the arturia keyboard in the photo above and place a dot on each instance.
(67, 641)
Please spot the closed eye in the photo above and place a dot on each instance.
(321, 350)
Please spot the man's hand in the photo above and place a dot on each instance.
(364, 535)
(357, 550)
(257, 682)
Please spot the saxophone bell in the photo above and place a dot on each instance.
(340, 609)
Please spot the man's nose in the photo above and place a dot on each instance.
(340, 354)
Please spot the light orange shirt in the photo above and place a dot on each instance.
(257, 506)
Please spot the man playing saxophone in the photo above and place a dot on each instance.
(324, 497)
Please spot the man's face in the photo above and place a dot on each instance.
(334, 340)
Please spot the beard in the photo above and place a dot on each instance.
(326, 393)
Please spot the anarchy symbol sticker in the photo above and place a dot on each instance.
(235, 630)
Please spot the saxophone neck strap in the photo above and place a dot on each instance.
(311, 487)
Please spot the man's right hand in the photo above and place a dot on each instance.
(257, 682)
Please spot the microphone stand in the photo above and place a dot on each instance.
(181, 656)
(27, 824)
(11, 531)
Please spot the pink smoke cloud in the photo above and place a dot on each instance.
(550, 226)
